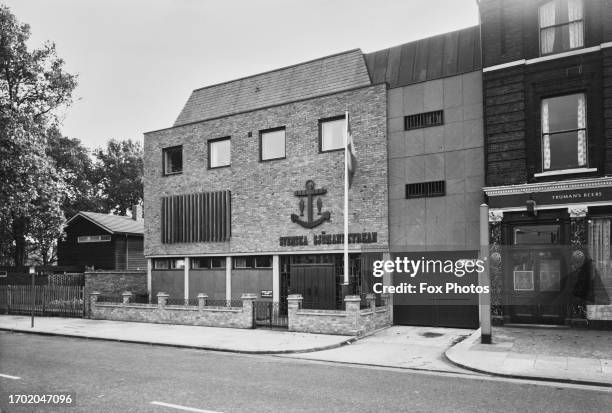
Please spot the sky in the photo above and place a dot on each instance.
(138, 60)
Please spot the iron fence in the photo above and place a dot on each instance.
(271, 314)
(109, 298)
(182, 301)
(43, 300)
(223, 303)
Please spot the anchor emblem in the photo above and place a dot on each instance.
(310, 192)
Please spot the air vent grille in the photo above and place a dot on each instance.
(426, 189)
(424, 120)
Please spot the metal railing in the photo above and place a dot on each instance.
(43, 300)
(223, 303)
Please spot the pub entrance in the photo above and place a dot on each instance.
(536, 268)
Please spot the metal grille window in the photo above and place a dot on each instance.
(426, 189)
(424, 120)
(203, 217)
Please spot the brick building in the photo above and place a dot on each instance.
(226, 188)
(547, 81)
(244, 193)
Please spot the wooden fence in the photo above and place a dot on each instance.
(46, 300)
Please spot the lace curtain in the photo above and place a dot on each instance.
(545, 136)
(581, 133)
(599, 247)
(547, 18)
(574, 12)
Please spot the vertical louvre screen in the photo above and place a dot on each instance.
(203, 217)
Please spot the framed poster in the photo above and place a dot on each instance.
(523, 281)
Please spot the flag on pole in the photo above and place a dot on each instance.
(351, 161)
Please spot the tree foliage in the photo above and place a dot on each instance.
(33, 84)
(45, 177)
(119, 172)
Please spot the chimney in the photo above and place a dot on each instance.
(137, 212)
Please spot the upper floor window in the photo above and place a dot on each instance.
(219, 152)
(561, 26)
(331, 132)
(173, 160)
(272, 144)
(564, 142)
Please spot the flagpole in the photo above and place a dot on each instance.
(346, 210)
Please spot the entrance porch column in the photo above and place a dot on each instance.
(275, 278)
(149, 268)
(228, 278)
(186, 278)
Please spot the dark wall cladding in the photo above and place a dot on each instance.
(201, 217)
(440, 56)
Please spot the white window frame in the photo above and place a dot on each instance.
(84, 239)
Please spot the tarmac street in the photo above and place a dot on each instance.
(108, 376)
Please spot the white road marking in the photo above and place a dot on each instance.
(185, 408)
(6, 376)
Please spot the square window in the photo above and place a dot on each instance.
(332, 133)
(160, 264)
(564, 132)
(199, 263)
(219, 152)
(177, 264)
(173, 160)
(561, 26)
(217, 262)
(263, 261)
(272, 144)
(240, 262)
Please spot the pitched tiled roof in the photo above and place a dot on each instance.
(113, 223)
(439, 56)
(318, 77)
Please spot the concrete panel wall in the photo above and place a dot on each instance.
(452, 152)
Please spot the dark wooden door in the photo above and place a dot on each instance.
(536, 273)
(316, 283)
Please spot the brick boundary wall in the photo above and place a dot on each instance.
(353, 321)
(115, 282)
(231, 317)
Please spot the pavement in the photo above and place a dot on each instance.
(560, 354)
(257, 341)
(415, 348)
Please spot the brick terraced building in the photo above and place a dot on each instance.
(547, 82)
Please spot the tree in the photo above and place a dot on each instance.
(33, 84)
(74, 162)
(119, 175)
